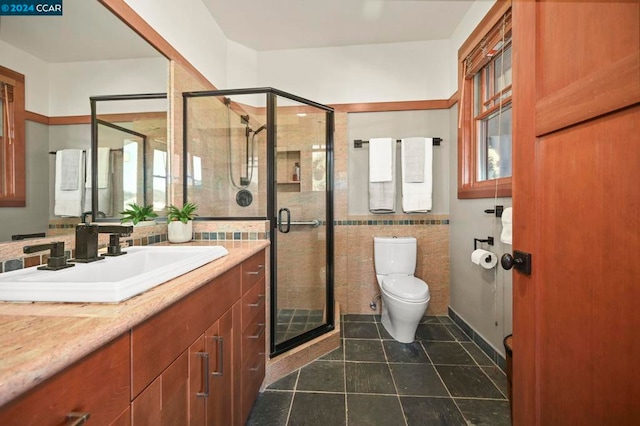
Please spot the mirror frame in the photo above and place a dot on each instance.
(94, 141)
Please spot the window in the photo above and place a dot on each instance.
(484, 157)
(12, 173)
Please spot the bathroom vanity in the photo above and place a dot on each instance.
(190, 351)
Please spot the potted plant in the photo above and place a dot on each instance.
(180, 222)
(139, 215)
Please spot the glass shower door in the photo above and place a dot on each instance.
(303, 242)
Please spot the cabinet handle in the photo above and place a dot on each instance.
(258, 302)
(261, 354)
(220, 367)
(256, 272)
(205, 367)
(260, 332)
(75, 418)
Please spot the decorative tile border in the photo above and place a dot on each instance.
(479, 340)
(231, 236)
(391, 222)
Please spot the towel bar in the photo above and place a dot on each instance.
(357, 143)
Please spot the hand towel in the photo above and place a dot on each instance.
(103, 167)
(68, 202)
(417, 196)
(506, 236)
(413, 157)
(105, 172)
(68, 162)
(380, 164)
(382, 195)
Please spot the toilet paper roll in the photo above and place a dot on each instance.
(484, 258)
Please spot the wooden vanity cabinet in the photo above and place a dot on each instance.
(98, 385)
(199, 361)
(207, 340)
(253, 349)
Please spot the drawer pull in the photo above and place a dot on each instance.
(75, 418)
(205, 367)
(260, 332)
(256, 272)
(258, 302)
(257, 367)
(220, 367)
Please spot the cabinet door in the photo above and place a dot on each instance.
(97, 385)
(219, 341)
(165, 401)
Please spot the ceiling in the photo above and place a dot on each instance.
(86, 31)
(291, 24)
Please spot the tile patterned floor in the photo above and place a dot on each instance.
(293, 322)
(442, 378)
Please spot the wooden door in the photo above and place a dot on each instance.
(576, 198)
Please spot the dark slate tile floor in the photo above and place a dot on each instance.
(443, 378)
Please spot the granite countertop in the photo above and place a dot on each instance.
(38, 340)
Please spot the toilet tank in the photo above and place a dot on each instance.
(395, 255)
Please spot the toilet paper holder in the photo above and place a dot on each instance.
(488, 240)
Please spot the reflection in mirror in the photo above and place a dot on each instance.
(131, 155)
(65, 61)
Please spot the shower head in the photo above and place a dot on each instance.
(261, 128)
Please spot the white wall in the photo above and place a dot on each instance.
(189, 27)
(367, 73)
(36, 74)
(242, 66)
(71, 84)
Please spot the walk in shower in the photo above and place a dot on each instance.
(260, 156)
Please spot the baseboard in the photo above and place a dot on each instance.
(485, 346)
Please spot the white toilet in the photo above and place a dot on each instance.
(404, 297)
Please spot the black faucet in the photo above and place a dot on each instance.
(83, 217)
(57, 260)
(87, 241)
(116, 232)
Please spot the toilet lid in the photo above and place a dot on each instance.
(406, 287)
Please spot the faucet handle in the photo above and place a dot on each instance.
(57, 259)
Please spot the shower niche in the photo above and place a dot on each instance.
(267, 155)
(286, 164)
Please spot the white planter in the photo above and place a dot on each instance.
(179, 232)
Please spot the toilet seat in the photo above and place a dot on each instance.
(406, 287)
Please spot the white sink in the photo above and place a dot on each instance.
(111, 280)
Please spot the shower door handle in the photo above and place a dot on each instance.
(288, 223)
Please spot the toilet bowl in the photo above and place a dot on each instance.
(404, 297)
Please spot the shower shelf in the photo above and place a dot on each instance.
(287, 160)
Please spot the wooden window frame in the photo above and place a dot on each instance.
(484, 34)
(13, 181)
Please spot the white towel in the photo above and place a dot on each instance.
(413, 156)
(103, 167)
(68, 202)
(105, 195)
(68, 162)
(506, 236)
(382, 195)
(380, 162)
(417, 196)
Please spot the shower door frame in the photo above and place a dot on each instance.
(271, 96)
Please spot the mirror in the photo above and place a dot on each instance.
(87, 52)
(132, 155)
